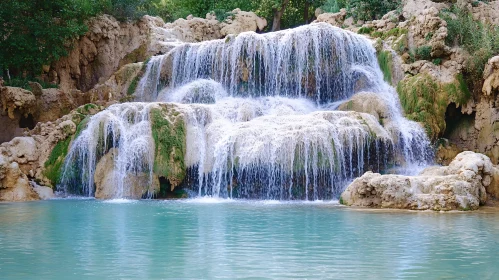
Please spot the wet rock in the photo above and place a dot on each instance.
(105, 179)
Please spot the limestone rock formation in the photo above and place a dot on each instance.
(194, 29)
(105, 175)
(22, 109)
(97, 55)
(38, 157)
(336, 19)
(120, 87)
(14, 184)
(460, 186)
(491, 76)
(14, 98)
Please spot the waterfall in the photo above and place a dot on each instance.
(260, 117)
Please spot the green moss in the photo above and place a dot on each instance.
(385, 60)
(424, 100)
(377, 34)
(341, 201)
(168, 132)
(53, 165)
(437, 61)
(365, 30)
(85, 109)
(82, 125)
(133, 86)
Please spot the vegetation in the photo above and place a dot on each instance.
(385, 60)
(168, 131)
(479, 39)
(53, 165)
(425, 100)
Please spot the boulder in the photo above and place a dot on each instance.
(460, 186)
(336, 19)
(491, 76)
(14, 185)
(13, 98)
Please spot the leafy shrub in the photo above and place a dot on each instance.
(479, 39)
(371, 9)
(423, 52)
(333, 6)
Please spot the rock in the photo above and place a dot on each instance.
(43, 192)
(459, 186)
(243, 22)
(106, 47)
(105, 178)
(428, 29)
(19, 99)
(336, 19)
(487, 12)
(446, 152)
(194, 29)
(367, 102)
(119, 87)
(14, 185)
(414, 8)
(491, 76)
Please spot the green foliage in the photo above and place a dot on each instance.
(385, 60)
(371, 9)
(35, 33)
(479, 39)
(342, 202)
(424, 100)
(423, 52)
(126, 10)
(437, 61)
(53, 165)
(333, 6)
(365, 30)
(168, 131)
(24, 83)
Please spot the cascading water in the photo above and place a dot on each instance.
(260, 118)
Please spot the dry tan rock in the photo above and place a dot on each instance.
(14, 98)
(414, 8)
(96, 56)
(194, 29)
(117, 87)
(459, 186)
(242, 22)
(336, 19)
(14, 185)
(487, 12)
(491, 76)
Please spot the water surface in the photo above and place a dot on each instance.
(208, 239)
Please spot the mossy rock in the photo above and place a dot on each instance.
(53, 166)
(385, 60)
(169, 134)
(425, 100)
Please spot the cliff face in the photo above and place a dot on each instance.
(110, 44)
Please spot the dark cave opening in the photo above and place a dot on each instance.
(456, 120)
(27, 122)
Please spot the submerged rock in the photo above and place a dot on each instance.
(460, 186)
